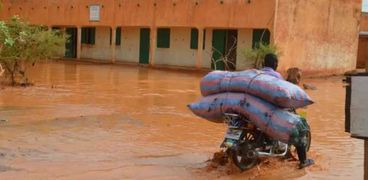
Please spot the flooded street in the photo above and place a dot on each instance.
(95, 121)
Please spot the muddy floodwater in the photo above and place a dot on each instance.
(95, 121)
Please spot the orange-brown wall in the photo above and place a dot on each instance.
(318, 36)
(362, 52)
(363, 42)
(172, 13)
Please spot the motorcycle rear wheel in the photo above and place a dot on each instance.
(244, 158)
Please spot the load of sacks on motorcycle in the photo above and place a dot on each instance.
(265, 100)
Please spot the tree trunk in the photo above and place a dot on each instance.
(13, 73)
(12, 76)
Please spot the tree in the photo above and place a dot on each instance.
(255, 56)
(23, 45)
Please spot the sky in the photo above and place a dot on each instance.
(365, 6)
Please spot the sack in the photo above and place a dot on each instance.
(255, 82)
(277, 123)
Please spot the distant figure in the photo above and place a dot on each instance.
(294, 75)
(270, 65)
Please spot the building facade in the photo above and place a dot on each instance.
(318, 36)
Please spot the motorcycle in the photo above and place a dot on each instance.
(244, 143)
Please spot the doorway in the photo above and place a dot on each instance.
(144, 45)
(224, 44)
(71, 44)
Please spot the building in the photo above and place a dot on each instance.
(319, 36)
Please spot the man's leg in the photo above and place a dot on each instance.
(302, 155)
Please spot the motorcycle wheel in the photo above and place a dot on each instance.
(244, 156)
(292, 150)
(244, 159)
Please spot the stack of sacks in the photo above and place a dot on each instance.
(259, 97)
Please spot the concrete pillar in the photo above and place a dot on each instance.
(113, 44)
(79, 42)
(152, 48)
(199, 56)
(366, 158)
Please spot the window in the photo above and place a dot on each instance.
(118, 36)
(365, 6)
(163, 38)
(194, 39)
(88, 35)
(260, 35)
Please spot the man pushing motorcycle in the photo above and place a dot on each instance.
(270, 66)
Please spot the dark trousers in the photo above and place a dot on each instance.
(302, 153)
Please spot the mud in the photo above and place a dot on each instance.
(93, 121)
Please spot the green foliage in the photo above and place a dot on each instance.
(255, 56)
(22, 45)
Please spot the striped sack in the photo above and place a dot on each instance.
(255, 82)
(275, 122)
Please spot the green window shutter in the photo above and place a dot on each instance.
(260, 35)
(194, 39)
(92, 35)
(204, 39)
(163, 38)
(84, 35)
(88, 35)
(118, 36)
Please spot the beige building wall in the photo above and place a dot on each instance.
(179, 53)
(245, 37)
(128, 51)
(101, 50)
(207, 53)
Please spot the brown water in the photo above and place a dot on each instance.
(93, 121)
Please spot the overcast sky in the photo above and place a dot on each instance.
(365, 5)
